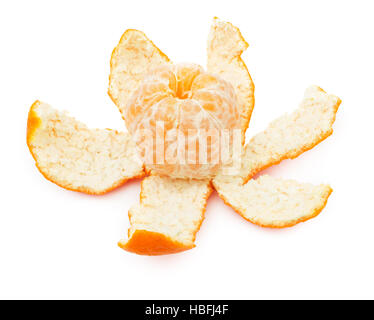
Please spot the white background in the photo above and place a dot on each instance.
(60, 244)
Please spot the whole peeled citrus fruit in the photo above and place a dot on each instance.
(179, 117)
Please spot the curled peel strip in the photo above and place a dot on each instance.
(168, 216)
(66, 152)
(131, 60)
(225, 46)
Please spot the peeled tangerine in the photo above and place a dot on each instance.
(183, 121)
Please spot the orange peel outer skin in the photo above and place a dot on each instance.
(151, 243)
(33, 123)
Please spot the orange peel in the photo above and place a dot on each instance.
(131, 60)
(168, 216)
(274, 203)
(292, 134)
(67, 153)
(225, 47)
(151, 243)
